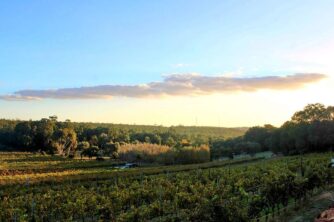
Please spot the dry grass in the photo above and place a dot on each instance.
(153, 153)
(152, 149)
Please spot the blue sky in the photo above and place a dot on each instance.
(68, 44)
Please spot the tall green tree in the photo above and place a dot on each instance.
(313, 112)
(64, 141)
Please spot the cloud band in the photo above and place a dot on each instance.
(173, 85)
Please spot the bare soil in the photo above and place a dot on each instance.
(309, 211)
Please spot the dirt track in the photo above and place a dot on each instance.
(312, 208)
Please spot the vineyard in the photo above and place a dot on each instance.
(239, 190)
(166, 111)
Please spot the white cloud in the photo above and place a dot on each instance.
(173, 85)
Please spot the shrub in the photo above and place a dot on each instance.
(153, 153)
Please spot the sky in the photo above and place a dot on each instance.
(228, 63)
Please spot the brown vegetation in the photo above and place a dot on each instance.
(153, 153)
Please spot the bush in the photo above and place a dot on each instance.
(153, 153)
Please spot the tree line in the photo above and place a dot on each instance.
(308, 130)
(52, 136)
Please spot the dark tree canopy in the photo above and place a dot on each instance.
(314, 112)
(309, 130)
(56, 137)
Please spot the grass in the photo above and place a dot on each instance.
(53, 169)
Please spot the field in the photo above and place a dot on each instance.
(45, 188)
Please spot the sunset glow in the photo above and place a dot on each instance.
(217, 63)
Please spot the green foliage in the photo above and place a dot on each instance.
(83, 145)
(310, 130)
(50, 135)
(314, 112)
(240, 193)
(111, 149)
(260, 135)
(91, 151)
(45, 135)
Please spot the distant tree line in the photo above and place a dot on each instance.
(96, 139)
(309, 130)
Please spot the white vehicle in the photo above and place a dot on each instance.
(127, 166)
